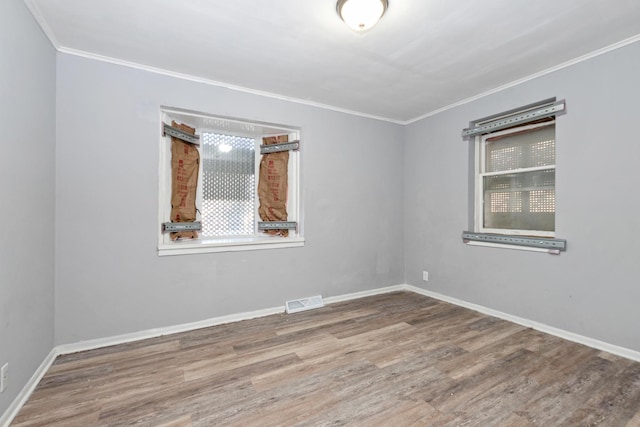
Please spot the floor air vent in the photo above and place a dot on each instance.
(302, 304)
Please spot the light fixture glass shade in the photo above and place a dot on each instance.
(360, 15)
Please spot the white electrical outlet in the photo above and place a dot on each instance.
(4, 377)
(425, 276)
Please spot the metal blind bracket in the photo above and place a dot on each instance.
(534, 242)
(181, 226)
(181, 135)
(277, 225)
(512, 120)
(276, 148)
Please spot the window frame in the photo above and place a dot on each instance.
(480, 142)
(235, 127)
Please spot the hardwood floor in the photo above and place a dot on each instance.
(398, 359)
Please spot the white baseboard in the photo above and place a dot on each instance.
(27, 390)
(22, 398)
(561, 333)
(372, 292)
(158, 332)
(186, 327)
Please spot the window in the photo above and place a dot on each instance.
(516, 181)
(226, 198)
(228, 195)
(514, 178)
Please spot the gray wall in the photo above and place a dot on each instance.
(109, 278)
(592, 289)
(27, 112)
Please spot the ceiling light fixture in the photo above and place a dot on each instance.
(361, 15)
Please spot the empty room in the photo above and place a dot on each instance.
(319, 212)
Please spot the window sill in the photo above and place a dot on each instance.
(516, 247)
(187, 247)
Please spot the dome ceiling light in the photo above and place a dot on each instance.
(361, 15)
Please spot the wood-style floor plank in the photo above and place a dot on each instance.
(397, 360)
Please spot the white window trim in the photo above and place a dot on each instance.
(480, 142)
(232, 244)
(229, 245)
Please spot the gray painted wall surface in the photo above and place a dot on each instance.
(593, 289)
(359, 206)
(27, 111)
(109, 278)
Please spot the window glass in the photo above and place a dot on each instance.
(228, 187)
(517, 180)
(520, 201)
(524, 149)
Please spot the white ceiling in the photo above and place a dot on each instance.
(424, 55)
